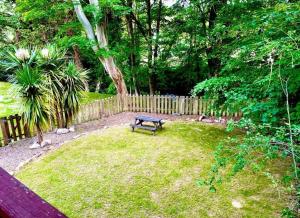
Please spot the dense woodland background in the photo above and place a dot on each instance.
(160, 46)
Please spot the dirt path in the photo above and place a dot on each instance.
(17, 154)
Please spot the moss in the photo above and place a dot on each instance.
(117, 173)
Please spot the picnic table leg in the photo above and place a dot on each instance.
(160, 124)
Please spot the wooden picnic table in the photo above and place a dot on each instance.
(141, 119)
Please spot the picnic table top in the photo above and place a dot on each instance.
(147, 118)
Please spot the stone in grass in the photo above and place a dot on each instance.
(35, 145)
(62, 131)
(72, 129)
(236, 204)
(46, 142)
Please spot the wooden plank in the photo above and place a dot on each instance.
(177, 105)
(195, 105)
(191, 101)
(154, 104)
(25, 128)
(181, 104)
(12, 127)
(141, 103)
(18, 201)
(165, 105)
(186, 105)
(148, 109)
(5, 130)
(133, 103)
(204, 107)
(169, 105)
(200, 106)
(129, 101)
(158, 104)
(138, 105)
(18, 125)
(145, 103)
(211, 108)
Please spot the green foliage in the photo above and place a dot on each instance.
(29, 84)
(72, 81)
(259, 75)
(49, 85)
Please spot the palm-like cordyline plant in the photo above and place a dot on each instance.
(52, 60)
(29, 83)
(73, 81)
(47, 83)
(14, 58)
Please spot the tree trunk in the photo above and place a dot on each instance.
(155, 55)
(150, 50)
(98, 85)
(99, 36)
(214, 63)
(132, 56)
(76, 53)
(153, 77)
(39, 133)
(78, 64)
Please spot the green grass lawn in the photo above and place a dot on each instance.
(10, 104)
(89, 97)
(117, 173)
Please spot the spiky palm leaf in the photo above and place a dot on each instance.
(29, 83)
(51, 57)
(14, 59)
(73, 82)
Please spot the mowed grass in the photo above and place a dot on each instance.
(117, 173)
(9, 103)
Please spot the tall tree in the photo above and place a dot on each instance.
(99, 41)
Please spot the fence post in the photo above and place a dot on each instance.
(5, 130)
(165, 104)
(195, 106)
(18, 118)
(201, 106)
(12, 125)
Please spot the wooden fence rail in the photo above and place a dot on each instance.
(13, 128)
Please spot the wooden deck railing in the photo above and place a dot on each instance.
(18, 201)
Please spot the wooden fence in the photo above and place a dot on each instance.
(99, 109)
(13, 128)
(169, 104)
